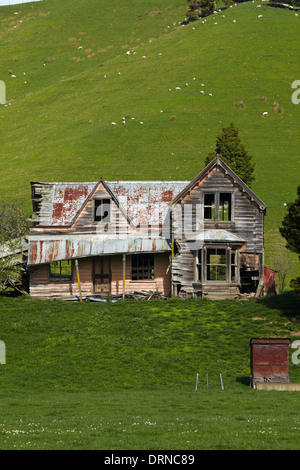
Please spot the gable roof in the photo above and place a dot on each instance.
(217, 162)
(142, 202)
(110, 193)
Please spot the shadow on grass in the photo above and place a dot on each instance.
(287, 303)
(244, 380)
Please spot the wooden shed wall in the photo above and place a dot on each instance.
(41, 286)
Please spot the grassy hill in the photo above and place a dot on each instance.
(122, 375)
(57, 125)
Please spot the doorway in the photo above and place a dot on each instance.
(102, 275)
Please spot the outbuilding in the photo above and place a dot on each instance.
(269, 360)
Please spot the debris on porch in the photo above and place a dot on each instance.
(135, 295)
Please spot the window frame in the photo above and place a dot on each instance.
(150, 266)
(96, 204)
(61, 278)
(216, 207)
(217, 265)
(231, 266)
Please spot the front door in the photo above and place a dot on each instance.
(102, 275)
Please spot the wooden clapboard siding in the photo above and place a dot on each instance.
(41, 286)
(118, 221)
(247, 224)
(161, 282)
(217, 292)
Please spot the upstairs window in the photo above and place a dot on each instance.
(209, 206)
(218, 207)
(225, 207)
(102, 210)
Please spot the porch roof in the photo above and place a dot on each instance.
(47, 249)
(217, 236)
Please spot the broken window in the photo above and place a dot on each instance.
(216, 264)
(142, 267)
(233, 267)
(225, 207)
(61, 271)
(199, 265)
(102, 210)
(209, 206)
(218, 206)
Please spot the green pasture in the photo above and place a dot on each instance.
(122, 375)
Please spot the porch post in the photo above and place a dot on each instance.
(124, 275)
(78, 279)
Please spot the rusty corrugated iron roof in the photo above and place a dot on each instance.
(46, 249)
(145, 202)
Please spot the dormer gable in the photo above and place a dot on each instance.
(102, 207)
(225, 172)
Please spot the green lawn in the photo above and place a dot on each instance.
(122, 375)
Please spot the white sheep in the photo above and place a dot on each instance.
(259, 16)
(178, 88)
(113, 123)
(265, 113)
(128, 53)
(209, 94)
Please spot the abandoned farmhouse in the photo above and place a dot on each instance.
(203, 237)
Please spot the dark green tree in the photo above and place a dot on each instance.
(13, 227)
(234, 153)
(290, 227)
(200, 8)
(290, 230)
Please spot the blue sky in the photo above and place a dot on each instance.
(15, 2)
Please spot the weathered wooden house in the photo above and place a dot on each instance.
(203, 237)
